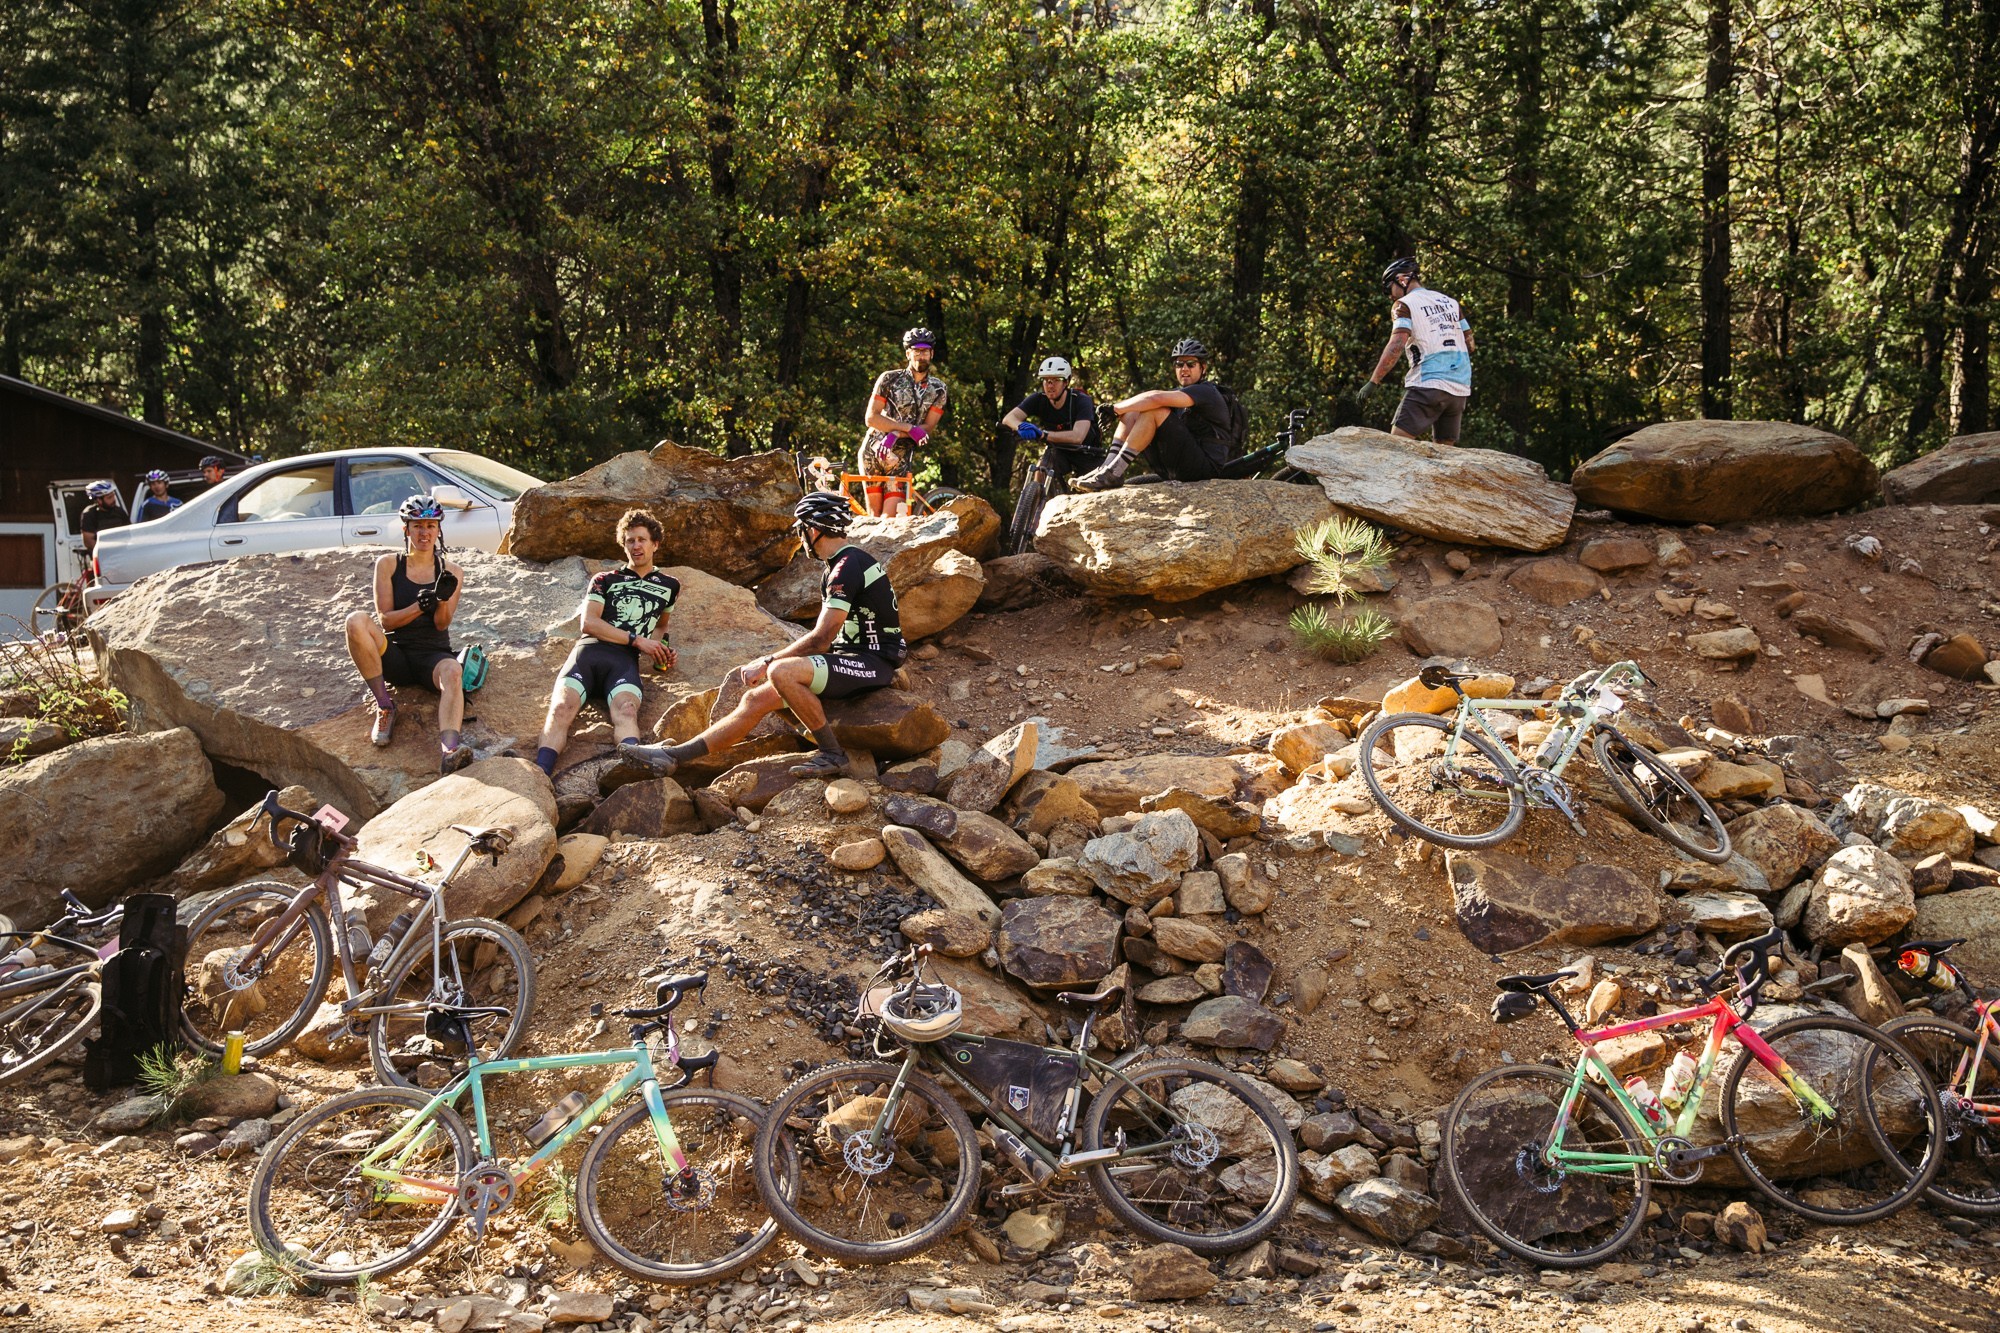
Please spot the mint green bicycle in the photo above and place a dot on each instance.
(367, 1183)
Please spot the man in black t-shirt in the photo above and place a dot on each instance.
(855, 646)
(101, 513)
(1187, 428)
(1063, 418)
(624, 615)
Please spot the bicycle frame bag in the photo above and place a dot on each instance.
(1021, 1078)
(142, 985)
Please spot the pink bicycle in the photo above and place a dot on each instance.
(1965, 1068)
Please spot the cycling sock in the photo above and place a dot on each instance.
(687, 750)
(1117, 461)
(449, 739)
(545, 759)
(379, 687)
(828, 742)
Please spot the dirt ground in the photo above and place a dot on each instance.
(781, 931)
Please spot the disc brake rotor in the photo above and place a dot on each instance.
(1540, 1176)
(238, 980)
(863, 1159)
(690, 1191)
(1198, 1145)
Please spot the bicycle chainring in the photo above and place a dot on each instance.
(1198, 1147)
(1664, 1165)
(865, 1160)
(483, 1191)
(690, 1191)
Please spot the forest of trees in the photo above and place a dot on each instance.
(551, 230)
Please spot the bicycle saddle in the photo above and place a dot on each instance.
(1105, 997)
(500, 833)
(1525, 983)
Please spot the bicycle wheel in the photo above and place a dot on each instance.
(1496, 1141)
(40, 1025)
(858, 1201)
(1968, 1179)
(1470, 798)
(54, 611)
(485, 963)
(1659, 797)
(1875, 1152)
(1212, 1166)
(635, 1209)
(321, 1209)
(276, 995)
(1027, 514)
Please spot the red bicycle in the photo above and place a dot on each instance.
(1966, 1069)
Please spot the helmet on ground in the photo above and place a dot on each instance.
(156, 475)
(1193, 347)
(1402, 268)
(918, 337)
(420, 507)
(923, 1013)
(472, 664)
(1054, 368)
(98, 490)
(211, 460)
(825, 511)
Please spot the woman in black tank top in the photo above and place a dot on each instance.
(407, 641)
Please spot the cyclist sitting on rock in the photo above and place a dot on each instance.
(854, 647)
(625, 613)
(1187, 427)
(1062, 417)
(102, 512)
(157, 504)
(408, 639)
(904, 407)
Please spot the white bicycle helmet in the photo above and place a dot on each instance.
(1055, 366)
(923, 1013)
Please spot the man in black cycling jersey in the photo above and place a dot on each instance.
(855, 646)
(1186, 427)
(625, 614)
(213, 469)
(102, 512)
(408, 639)
(1063, 418)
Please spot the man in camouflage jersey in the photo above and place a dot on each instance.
(904, 407)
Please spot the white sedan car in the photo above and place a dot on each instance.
(345, 498)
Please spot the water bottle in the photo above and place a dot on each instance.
(1935, 972)
(1017, 1152)
(1648, 1102)
(1678, 1083)
(14, 962)
(1552, 745)
(391, 937)
(555, 1119)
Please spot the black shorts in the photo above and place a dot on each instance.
(1068, 460)
(413, 666)
(1176, 454)
(1434, 410)
(600, 670)
(843, 675)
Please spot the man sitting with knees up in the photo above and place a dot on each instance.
(855, 646)
(408, 639)
(625, 615)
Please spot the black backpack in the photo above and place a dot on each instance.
(143, 984)
(1237, 436)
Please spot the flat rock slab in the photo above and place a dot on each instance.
(1965, 472)
(1505, 903)
(1472, 496)
(1726, 472)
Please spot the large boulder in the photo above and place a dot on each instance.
(1117, 786)
(1783, 841)
(940, 599)
(1464, 628)
(1726, 472)
(1469, 496)
(1504, 903)
(1059, 942)
(908, 547)
(1966, 471)
(99, 817)
(1177, 540)
(240, 849)
(888, 723)
(509, 792)
(1863, 896)
(731, 517)
(1905, 826)
(1144, 863)
(1972, 915)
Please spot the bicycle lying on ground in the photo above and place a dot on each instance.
(1452, 779)
(1556, 1169)
(1965, 1069)
(50, 993)
(888, 1162)
(367, 1183)
(260, 959)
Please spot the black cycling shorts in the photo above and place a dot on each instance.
(843, 675)
(1069, 460)
(413, 666)
(1436, 410)
(1175, 454)
(600, 670)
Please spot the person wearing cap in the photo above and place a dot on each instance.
(855, 646)
(212, 470)
(1186, 427)
(1432, 332)
(157, 504)
(407, 641)
(102, 512)
(904, 407)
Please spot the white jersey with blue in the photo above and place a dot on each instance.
(1437, 355)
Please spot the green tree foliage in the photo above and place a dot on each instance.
(551, 230)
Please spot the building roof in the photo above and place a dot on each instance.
(145, 429)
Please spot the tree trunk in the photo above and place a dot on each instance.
(725, 268)
(1516, 403)
(1717, 397)
(1972, 399)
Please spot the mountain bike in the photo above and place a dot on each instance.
(50, 994)
(260, 959)
(888, 1162)
(61, 608)
(1965, 1069)
(368, 1182)
(1555, 1165)
(1452, 780)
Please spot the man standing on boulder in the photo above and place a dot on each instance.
(854, 647)
(624, 618)
(408, 639)
(1188, 428)
(904, 407)
(1429, 329)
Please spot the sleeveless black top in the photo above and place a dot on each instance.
(423, 632)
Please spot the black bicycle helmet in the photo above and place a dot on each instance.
(918, 337)
(825, 511)
(212, 460)
(1400, 269)
(1193, 347)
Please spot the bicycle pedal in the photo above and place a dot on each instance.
(1020, 1189)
